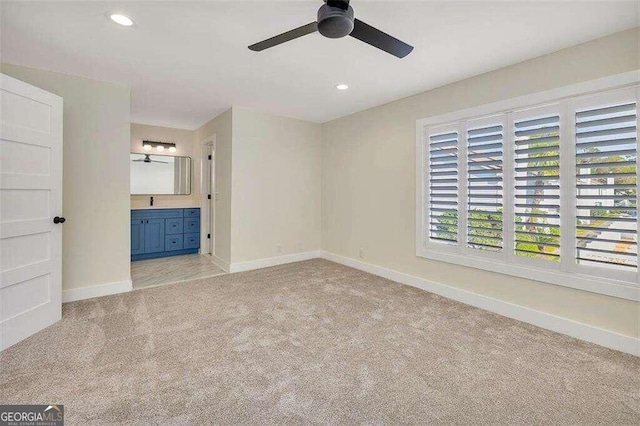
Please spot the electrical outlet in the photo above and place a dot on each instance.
(300, 246)
(279, 248)
(361, 254)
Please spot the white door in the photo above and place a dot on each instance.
(30, 198)
(207, 230)
(212, 202)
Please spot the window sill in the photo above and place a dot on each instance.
(615, 288)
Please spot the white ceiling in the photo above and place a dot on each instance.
(188, 62)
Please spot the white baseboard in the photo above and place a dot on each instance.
(551, 322)
(222, 264)
(273, 261)
(73, 294)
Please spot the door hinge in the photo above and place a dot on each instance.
(209, 196)
(209, 236)
(209, 157)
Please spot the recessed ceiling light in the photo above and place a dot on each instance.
(121, 19)
(342, 86)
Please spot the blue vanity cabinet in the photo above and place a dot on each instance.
(164, 232)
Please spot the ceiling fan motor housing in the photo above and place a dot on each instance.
(335, 22)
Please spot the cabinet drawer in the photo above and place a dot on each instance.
(156, 213)
(173, 226)
(191, 241)
(191, 225)
(173, 242)
(191, 212)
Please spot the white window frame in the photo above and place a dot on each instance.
(506, 262)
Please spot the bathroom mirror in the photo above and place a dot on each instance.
(160, 175)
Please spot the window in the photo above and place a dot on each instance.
(544, 192)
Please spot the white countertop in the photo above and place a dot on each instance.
(165, 207)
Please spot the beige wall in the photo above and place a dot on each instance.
(268, 181)
(186, 146)
(276, 186)
(368, 180)
(96, 235)
(220, 128)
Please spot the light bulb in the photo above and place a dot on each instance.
(172, 149)
(147, 147)
(121, 19)
(160, 148)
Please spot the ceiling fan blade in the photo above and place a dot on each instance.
(376, 38)
(284, 37)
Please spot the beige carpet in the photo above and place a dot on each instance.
(312, 342)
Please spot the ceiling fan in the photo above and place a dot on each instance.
(147, 159)
(336, 20)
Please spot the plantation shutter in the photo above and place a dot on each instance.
(547, 192)
(485, 187)
(443, 187)
(537, 187)
(606, 186)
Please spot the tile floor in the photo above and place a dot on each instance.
(168, 270)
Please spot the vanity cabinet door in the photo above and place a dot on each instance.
(153, 235)
(137, 236)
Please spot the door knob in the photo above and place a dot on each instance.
(58, 219)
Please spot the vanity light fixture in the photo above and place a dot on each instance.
(159, 146)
